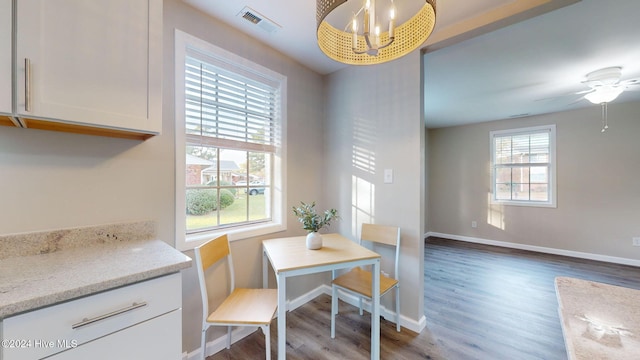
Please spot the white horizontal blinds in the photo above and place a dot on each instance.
(227, 109)
(531, 148)
(522, 166)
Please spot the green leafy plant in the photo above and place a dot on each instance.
(227, 197)
(204, 201)
(311, 220)
(200, 201)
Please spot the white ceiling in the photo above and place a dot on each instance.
(511, 71)
(474, 72)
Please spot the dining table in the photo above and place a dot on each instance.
(289, 256)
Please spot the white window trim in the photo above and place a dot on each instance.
(552, 203)
(184, 41)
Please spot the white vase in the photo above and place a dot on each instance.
(314, 241)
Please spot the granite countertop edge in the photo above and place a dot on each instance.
(20, 297)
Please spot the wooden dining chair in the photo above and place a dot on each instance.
(358, 281)
(242, 307)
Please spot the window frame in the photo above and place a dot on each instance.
(552, 187)
(186, 44)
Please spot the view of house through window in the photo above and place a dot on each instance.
(523, 166)
(233, 190)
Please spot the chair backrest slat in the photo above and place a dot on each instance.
(214, 251)
(389, 235)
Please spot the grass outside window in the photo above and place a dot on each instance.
(235, 213)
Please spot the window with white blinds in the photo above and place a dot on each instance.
(523, 166)
(230, 117)
(225, 108)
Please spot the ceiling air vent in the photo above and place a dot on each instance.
(251, 17)
(258, 19)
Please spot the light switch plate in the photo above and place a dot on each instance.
(388, 176)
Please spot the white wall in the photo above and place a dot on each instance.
(598, 193)
(374, 123)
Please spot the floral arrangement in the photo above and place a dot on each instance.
(311, 220)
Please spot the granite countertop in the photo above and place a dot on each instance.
(599, 321)
(29, 282)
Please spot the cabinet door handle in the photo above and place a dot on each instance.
(87, 321)
(27, 84)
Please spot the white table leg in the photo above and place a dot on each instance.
(265, 270)
(375, 313)
(282, 317)
(334, 305)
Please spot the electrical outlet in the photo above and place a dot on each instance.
(635, 241)
(474, 224)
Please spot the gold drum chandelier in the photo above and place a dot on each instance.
(362, 42)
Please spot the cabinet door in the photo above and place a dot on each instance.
(159, 338)
(5, 57)
(95, 63)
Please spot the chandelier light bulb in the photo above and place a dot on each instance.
(392, 22)
(354, 27)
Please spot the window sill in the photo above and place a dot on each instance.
(194, 240)
(524, 203)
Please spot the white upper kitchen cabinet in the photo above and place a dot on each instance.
(5, 57)
(90, 65)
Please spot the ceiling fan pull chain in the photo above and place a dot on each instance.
(605, 124)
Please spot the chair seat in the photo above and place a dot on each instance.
(247, 306)
(359, 281)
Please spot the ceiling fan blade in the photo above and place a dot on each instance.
(576, 101)
(561, 96)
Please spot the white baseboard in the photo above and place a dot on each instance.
(305, 298)
(240, 333)
(220, 343)
(389, 315)
(541, 249)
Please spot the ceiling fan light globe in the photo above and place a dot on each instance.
(604, 94)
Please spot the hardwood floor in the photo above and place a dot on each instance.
(309, 337)
(484, 302)
(481, 302)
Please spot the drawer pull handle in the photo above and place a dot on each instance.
(87, 321)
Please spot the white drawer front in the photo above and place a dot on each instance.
(157, 339)
(59, 327)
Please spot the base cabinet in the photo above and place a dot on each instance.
(139, 321)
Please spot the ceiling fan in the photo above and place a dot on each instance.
(604, 87)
